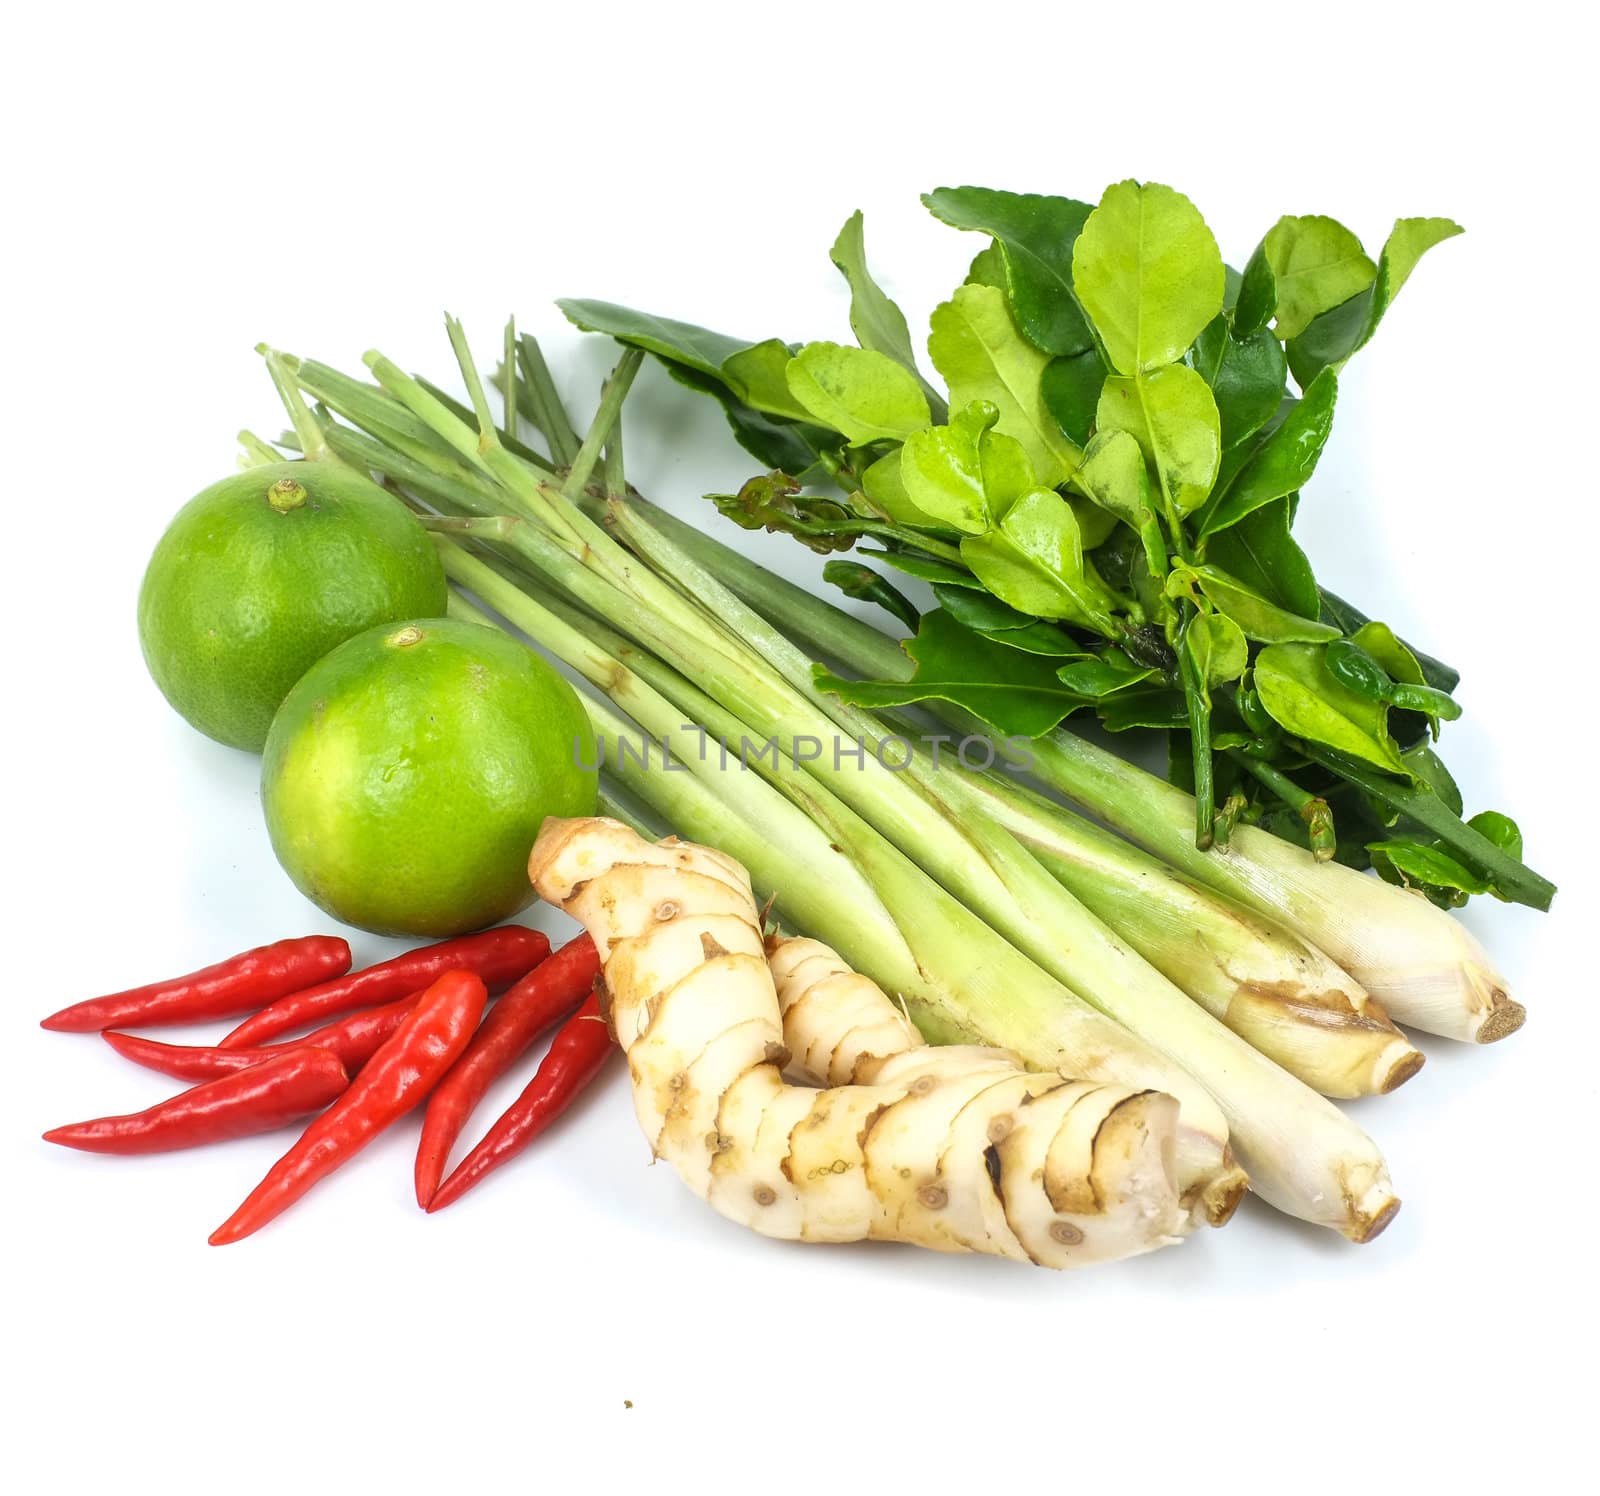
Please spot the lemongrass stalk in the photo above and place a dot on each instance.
(544, 407)
(563, 525)
(508, 377)
(1422, 965)
(1284, 997)
(381, 418)
(1304, 1156)
(961, 980)
(612, 394)
(307, 428)
(363, 404)
(256, 453)
(508, 439)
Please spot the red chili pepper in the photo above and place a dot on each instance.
(354, 1038)
(499, 956)
(576, 1055)
(395, 1080)
(238, 985)
(546, 995)
(269, 1095)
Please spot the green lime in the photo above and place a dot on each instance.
(260, 575)
(407, 773)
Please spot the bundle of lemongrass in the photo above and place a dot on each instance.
(1251, 985)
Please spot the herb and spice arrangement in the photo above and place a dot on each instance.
(892, 949)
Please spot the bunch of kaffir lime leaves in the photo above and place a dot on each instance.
(1103, 500)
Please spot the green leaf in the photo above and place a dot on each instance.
(1115, 476)
(1429, 769)
(678, 342)
(1255, 615)
(874, 318)
(884, 484)
(1348, 618)
(988, 268)
(1330, 340)
(863, 394)
(985, 614)
(962, 476)
(766, 420)
(758, 376)
(1007, 473)
(1012, 692)
(1418, 864)
(942, 472)
(1173, 417)
(1262, 554)
(981, 612)
(1513, 880)
(1380, 641)
(790, 446)
(1217, 647)
(1070, 387)
(1147, 270)
(975, 345)
(1308, 703)
(1232, 284)
(1103, 674)
(1037, 639)
(1408, 241)
(924, 568)
(1258, 295)
(1316, 263)
(1145, 706)
(1248, 379)
(1283, 462)
(1034, 562)
(1035, 235)
(862, 582)
(1499, 829)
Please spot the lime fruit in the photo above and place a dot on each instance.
(262, 574)
(407, 773)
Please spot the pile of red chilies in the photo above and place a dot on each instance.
(391, 1035)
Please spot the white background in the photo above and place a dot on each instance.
(179, 185)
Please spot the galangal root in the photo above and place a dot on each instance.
(956, 1148)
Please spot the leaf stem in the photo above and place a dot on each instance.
(1312, 809)
(1513, 879)
(821, 530)
(1199, 708)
